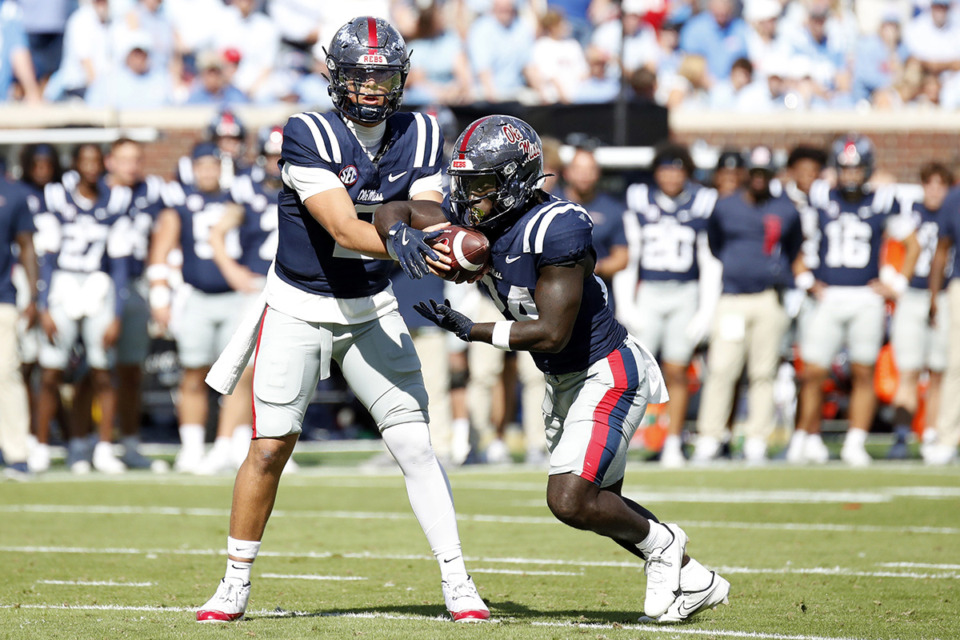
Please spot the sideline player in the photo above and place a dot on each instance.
(599, 379)
(848, 288)
(327, 298)
(666, 227)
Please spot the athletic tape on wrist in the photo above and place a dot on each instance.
(160, 297)
(805, 281)
(501, 334)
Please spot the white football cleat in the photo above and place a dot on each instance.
(814, 451)
(463, 601)
(38, 459)
(707, 450)
(497, 452)
(188, 460)
(691, 603)
(855, 456)
(938, 455)
(663, 574)
(755, 451)
(227, 604)
(671, 456)
(105, 461)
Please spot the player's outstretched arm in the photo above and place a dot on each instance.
(558, 294)
(335, 211)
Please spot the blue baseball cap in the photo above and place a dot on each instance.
(204, 149)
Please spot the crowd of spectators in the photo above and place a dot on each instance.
(732, 55)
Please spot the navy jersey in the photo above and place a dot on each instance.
(307, 256)
(199, 212)
(607, 215)
(147, 205)
(15, 218)
(258, 231)
(669, 230)
(80, 235)
(756, 243)
(927, 224)
(409, 292)
(950, 229)
(555, 232)
(851, 234)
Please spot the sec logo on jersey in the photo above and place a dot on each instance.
(349, 175)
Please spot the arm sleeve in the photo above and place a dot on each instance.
(307, 181)
(563, 238)
(432, 182)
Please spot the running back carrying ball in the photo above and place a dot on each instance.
(469, 252)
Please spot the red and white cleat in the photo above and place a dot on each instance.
(227, 604)
(463, 601)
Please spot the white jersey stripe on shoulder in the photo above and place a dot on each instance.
(185, 167)
(528, 230)
(318, 139)
(119, 199)
(421, 140)
(334, 143)
(434, 140)
(545, 223)
(637, 197)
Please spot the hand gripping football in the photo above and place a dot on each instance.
(469, 251)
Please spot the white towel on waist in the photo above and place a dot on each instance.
(226, 371)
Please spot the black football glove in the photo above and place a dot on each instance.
(446, 318)
(409, 246)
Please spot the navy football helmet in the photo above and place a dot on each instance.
(852, 152)
(226, 124)
(499, 158)
(367, 57)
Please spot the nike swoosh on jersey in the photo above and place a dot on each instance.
(394, 178)
(512, 259)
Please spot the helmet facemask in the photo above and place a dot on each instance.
(482, 199)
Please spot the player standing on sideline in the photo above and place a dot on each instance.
(599, 379)
(327, 297)
(256, 223)
(85, 238)
(208, 316)
(943, 449)
(919, 340)
(16, 228)
(848, 287)
(125, 168)
(666, 227)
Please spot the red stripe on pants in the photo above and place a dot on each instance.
(253, 399)
(601, 417)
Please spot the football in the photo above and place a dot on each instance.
(469, 251)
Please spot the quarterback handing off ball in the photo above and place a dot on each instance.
(469, 252)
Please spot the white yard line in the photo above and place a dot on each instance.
(919, 565)
(373, 615)
(518, 572)
(296, 576)
(836, 571)
(96, 583)
(498, 519)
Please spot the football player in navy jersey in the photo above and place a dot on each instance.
(228, 133)
(919, 341)
(124, 166)
(328, 298)
(943, 449)
(256, 223)
(848, 287)
(599, 378)
(207, 316)
(671, 311)
(85, 236)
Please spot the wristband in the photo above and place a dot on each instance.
(160, 297)
(501, 334)
(805, 281)
(158, 272)
(894, 279)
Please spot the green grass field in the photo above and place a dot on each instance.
(812, 553)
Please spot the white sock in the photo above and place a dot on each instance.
(658, 538)
(814, 438)
(240, 569)
(428, 490)
(222, 445)
(452, 567)
(693, 577)
(672, 443)
(855, 438)
(192, 437)
(240, 445)
(798, 438)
